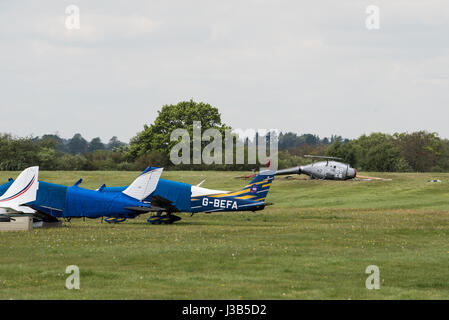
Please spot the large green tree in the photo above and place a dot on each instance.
(77, 145)
(344, 150)
(114, 143)
(96, 144)
(17, 153)
(423, 151)
(378, 152)
(156, 137)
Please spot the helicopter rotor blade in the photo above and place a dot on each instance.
(373, 178)
(321, 157)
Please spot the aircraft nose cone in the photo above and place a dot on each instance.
(352, 172)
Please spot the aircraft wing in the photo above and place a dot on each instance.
(158, 203)
(161, 202)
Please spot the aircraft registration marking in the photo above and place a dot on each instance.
(217, 203)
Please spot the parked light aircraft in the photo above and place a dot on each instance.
(148, 193)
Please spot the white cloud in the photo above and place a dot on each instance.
(307, 67)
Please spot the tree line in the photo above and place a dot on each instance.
(400, 152)
(52, 152)
(419, 151)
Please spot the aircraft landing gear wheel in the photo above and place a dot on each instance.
(174, 218)
(163, 219)
(114, 219)
(154, 220)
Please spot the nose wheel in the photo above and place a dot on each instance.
(160, 218)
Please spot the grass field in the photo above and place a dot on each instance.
(315, 242)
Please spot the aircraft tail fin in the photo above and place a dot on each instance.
(145, 184)
(257, 189)
(23, 190)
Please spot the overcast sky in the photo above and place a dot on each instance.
(302, 66)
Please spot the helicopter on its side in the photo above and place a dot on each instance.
(330, 169)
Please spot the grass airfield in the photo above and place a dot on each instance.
(315, 242)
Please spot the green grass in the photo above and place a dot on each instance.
(315, 242)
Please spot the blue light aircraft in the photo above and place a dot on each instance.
(148, 193)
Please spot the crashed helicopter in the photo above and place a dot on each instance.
(330, 169)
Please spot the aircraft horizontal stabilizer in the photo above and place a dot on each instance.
(16, 209)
